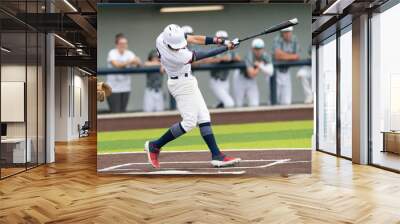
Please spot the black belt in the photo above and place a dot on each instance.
(177, 77)
(220, 79)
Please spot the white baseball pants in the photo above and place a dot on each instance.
(189, 101)
(304, 74)
(283, 88)
(220, 89)
(153, 101)
(245, 88)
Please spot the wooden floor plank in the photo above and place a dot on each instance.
(70, 191)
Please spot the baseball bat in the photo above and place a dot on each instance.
(274, 28)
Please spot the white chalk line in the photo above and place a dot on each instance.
(179, 162)
(282, 161)
(210, 168)
(231, 167)
(184, 172)
(205, 150)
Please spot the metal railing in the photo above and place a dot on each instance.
(201, 67)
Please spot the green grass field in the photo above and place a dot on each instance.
(288, 134)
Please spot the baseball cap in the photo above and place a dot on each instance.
(257, 43)
(221, 33)
(287, 29)
(153, 53)
(187, 29)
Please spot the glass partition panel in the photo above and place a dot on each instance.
(32, 98)
(327, 96)
(346, 93)
(22, 88)
(385, 84)
(15, 151)
(41, 79)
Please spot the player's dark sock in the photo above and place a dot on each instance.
(208, 136)
(173, 132)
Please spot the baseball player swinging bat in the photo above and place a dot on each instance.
(177, 59)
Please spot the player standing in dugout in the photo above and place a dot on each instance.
(244, 83)
(153, 98)
(286, 49)
(219, 80)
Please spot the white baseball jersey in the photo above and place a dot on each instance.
(185, 90)
(119, 82)
(175, 63)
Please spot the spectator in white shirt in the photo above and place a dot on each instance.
(120, 57)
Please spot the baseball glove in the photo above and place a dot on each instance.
(103, 90)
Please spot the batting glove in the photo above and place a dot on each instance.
(233, 43)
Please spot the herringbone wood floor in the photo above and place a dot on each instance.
(70, 191)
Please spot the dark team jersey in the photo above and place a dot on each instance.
(250, 59)
(154, 80)
(289, 47)
(222, 74)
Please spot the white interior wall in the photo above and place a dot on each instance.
(61, 103)
(82, 83)
(33, 126)
(71, 102)
(14, 73)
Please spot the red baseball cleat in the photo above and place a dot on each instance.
(223, 160)
(152, 154)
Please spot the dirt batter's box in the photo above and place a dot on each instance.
(254, 162)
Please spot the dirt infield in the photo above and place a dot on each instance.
(118, 122)
(254, 163)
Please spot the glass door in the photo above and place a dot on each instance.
(385, 89)
(327, 96)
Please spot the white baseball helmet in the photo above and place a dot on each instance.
(287, 29)
(174, 36)
(257, 43)
(187, 29)
(221, 33)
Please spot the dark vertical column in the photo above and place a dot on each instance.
(26, 87)
(272, 85)
(369, 96)
(338, 76)
(92, 102)
(1, 158)
(316, 103)
(37, 90)
(45, 95)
